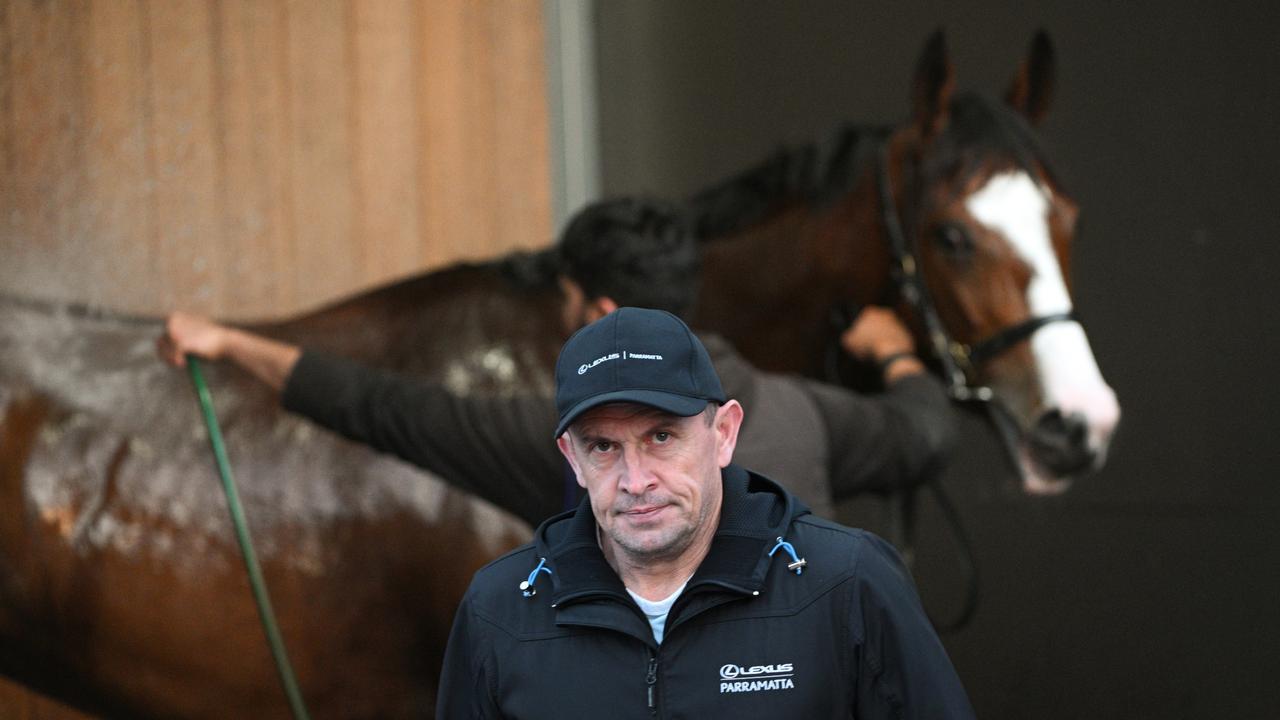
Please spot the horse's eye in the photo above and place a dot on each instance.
(954, 240)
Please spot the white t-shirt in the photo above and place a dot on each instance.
(656, 610)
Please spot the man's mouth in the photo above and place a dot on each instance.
(643, 512)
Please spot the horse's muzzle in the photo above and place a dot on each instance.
(1060, 443)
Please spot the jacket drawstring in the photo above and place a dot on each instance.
(527, 587)
(797, 563)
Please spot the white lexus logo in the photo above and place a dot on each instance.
(756, 678)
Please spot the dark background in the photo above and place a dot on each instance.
(1151, 589)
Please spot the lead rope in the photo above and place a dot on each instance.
(256, 582)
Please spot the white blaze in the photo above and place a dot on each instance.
(1017, 207)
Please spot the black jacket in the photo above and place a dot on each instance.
(748, 638)
(822, 442)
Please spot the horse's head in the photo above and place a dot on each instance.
(991, 230)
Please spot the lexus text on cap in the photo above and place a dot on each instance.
(635, 355)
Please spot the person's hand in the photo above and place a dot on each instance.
(191, 334)
(878, 336)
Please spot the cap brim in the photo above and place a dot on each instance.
(682, 405)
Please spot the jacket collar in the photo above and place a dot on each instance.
(754, 513)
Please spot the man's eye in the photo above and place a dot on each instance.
(661, 436)
(602, 446)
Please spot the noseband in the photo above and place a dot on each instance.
(959, 361)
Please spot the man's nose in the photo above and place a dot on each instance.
(636, 476)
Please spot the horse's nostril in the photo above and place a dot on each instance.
(1071, 428)
(1060, 442)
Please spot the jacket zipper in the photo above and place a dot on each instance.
(651, 681)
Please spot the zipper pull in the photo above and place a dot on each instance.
(651, 680)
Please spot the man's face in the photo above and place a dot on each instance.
(653, 478)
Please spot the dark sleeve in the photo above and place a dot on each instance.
(466, 683)
(903, 671)
(897, 438)
(499, 448)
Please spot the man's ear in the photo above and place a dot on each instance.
(599, 307)
(566, 449)
(728, 423)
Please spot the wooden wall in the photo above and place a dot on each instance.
(251, 158)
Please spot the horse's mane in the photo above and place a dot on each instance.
(819, 173)
(814, 174)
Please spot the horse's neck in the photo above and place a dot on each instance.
(775, 289)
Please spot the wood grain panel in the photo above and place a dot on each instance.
(185, 167)
(253, 159)
(522, 134)
(43, 129)
(384, 141)
(256, 228)
(319, 104)
(449, 122)
(120, 186)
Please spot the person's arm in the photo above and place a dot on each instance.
(902, 669)
(499, 448)
(270, 361)
(897, 438)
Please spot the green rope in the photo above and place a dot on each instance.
(246, 544)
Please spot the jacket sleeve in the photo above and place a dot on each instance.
(499, 448)
(902, 670)
(898, 438)
(466, 684)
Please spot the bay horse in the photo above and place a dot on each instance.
(120, 588)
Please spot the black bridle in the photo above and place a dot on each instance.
(960, 362)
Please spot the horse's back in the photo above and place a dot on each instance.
(496, 324)
(120, 580)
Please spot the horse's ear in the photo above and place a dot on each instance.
(935, 79)
(1032, 86)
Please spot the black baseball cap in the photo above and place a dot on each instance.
(635, 355)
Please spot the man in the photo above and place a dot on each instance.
(823, 442)
(683, 585)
